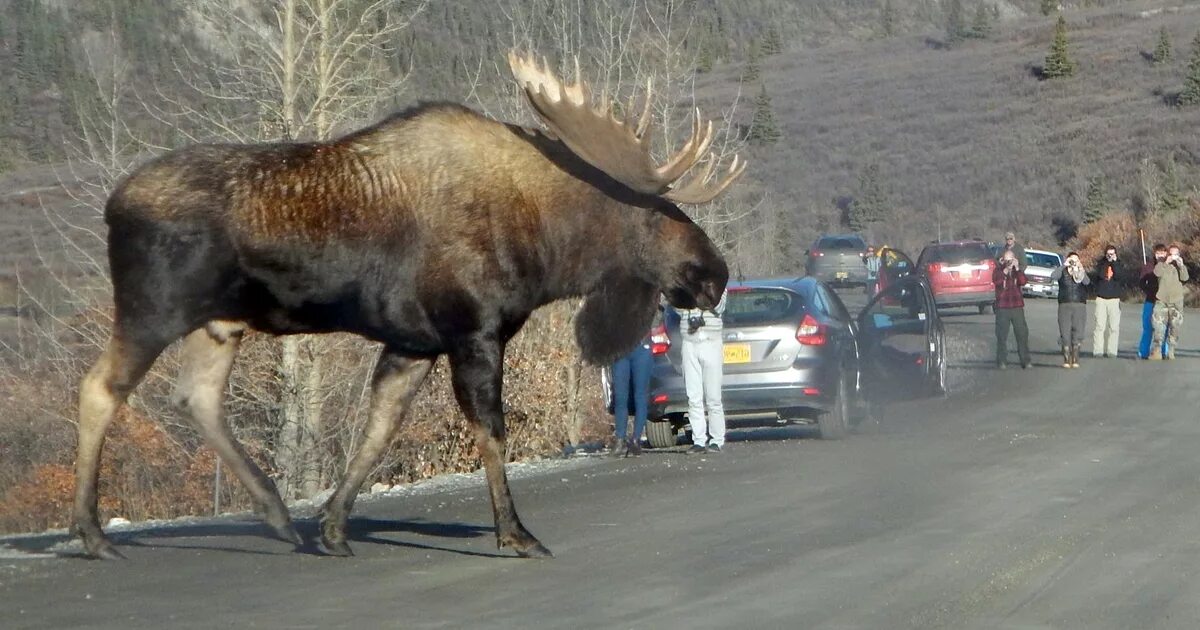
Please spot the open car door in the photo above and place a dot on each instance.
(902, 343)
(893, 265)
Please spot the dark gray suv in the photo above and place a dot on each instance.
(837, 259)
(794, 352)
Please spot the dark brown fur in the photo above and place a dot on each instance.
(436, 231)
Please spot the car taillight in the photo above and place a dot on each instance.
(935, 267)
(817, 252)
(660, 343)
(810, 333)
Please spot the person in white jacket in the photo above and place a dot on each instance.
(703, 368)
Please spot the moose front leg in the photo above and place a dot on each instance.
(478, 369)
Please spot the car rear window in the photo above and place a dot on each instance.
(956, 254)
(748, 307)
(838, 242)
(1042, 260)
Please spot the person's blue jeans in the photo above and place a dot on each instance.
(631, 375)
(1148, 331)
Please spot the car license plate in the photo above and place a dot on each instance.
(841, 274)
(737, 353)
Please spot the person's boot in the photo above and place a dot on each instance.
(633, 448)
(1075, 356)
(1155, 354)
(1170, 355)
(1066, 356)
(619, 448)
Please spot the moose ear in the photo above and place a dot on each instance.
(615, 317)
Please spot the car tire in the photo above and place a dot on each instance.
(834, 423)
(660, 433)
(983, 308)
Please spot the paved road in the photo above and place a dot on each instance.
(1045, 498)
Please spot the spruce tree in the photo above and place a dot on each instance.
(763, 128)
(1172, 201)
(1058, 62)
(1162, 51)
(982, 26)
(753, 71)
(1097, 200)
(954, 22)
(870, 204)
(1191, 85)
(772, 43)
(887, 19)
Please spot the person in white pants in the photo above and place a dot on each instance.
(1109, 275)
(703, 368)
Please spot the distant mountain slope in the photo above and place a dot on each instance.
(970, 136)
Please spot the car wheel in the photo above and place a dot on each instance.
(834, 423)
(983, 308)
(660, 433)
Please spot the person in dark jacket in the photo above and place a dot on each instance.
(1018, 250)
(1010, 310)
(1072, 282)
(1149, 285)
(1108, 304)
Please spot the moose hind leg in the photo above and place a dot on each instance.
(394, 384)
(207, 359)
(101, 393)
(478, 370)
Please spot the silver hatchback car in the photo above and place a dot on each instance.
(793, 352)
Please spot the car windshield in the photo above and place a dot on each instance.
(1042, 260)
(841, 242)
(748, 307)
(957, 254)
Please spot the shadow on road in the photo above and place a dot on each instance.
(360, 530)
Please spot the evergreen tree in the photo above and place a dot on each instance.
(784, 243)
(870, 204)
(763, 128)
(1049, 6)
(773, 42)
(981, 28)
(954, 22)
(1097, 199)
(1191, 85)
(887, 19)
(1162, 51)
(1173, 201)
(1058, 62)
(753, 70)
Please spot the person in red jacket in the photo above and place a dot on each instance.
(1010, 310)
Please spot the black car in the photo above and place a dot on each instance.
(794, 352)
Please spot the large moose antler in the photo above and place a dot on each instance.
(611, 144)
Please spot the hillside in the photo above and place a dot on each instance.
(969, 137)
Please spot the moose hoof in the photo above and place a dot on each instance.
(536, 550)
(338, 548)
(101, 549)
(287, 533)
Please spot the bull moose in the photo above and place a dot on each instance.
(435, 231)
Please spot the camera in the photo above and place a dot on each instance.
(694, 323)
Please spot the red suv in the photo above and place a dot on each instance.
(960, 273)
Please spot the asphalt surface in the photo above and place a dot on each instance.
(1041, 498)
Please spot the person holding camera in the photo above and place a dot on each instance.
(1010, 309)
(1168, 308)
(1072, 282)
(1149, 285)
(1108, 304)
(703, 357)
